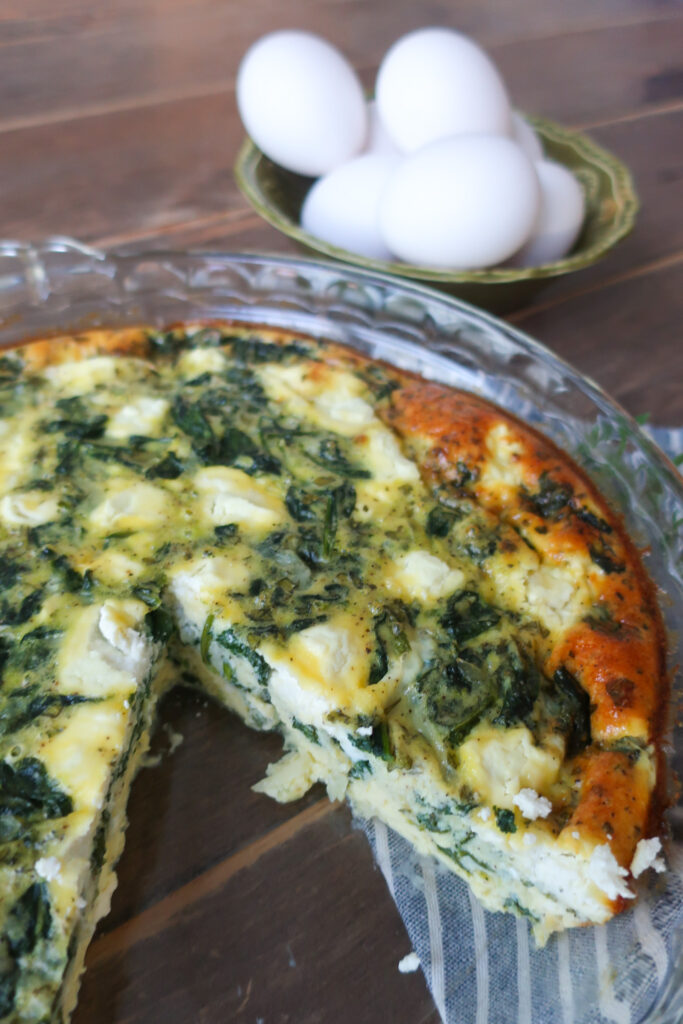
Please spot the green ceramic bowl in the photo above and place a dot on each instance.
(611, 208)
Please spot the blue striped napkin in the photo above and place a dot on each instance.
(484, 968)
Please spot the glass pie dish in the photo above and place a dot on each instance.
(62, 285)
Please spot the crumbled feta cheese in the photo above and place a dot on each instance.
(529, 839)
(116, 627)
(485, 813)
(498, 763)
(409, 963)
(202, 360)
(532, 805)
(32, 508)
(138, 506)
(418, 574)
(364, 730)
(144, 416)
(48, 868)
(606, 872)
(646, 857)
(229, 495)
(348, 414)
(385, 460)
(554, 596)
(174, 738)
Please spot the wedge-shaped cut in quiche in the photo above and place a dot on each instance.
(426, 598)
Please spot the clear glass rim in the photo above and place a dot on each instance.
(39, 277)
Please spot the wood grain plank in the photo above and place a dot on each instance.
(626, 336)
(584, 76)
(147, 167)
(22, 20)
(246, 233)
(658, 182)
(650, 148)
(196, 807)
(307, 934)
(656, 240)
(149, 921)
(576, 72)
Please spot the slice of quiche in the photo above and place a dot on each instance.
(426, 598)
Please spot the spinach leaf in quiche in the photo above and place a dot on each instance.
(569, 704)
(440, 519)
(309, 731)
(191, 420)
(17, 614)
(10, 370)
(596, 522)
(301, 504)
(28, 921)
(330, 456)
(230, 641)
(517, 682)
(390, 628)
(27, 792)
(10, 571)
(378, 381)
(159, 624)
(603, 556)
(168, 468)
(549, 500)
(236, 448)
(226, 534)
(34, 649)
(377, 743)
(69, 578)
(505, 819)
(25, 704)
(246, 388)
(254, 350)
(467, 615)
(452, 697)
(76, 422)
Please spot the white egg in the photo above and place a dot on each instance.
(436, 82)
(301, 102)
(342, 208)
(379, 141)
(464, 203)
(526, 137)
(560, 217)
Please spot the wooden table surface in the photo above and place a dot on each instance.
(118, 126)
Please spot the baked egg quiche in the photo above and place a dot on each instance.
(430, 602)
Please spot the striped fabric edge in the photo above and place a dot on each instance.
(481, 956)
(650, 939)
(438, 967)
(564, 970)
(383, 855)
(523, 973)
(612, 1009)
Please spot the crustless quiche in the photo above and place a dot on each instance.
(425, 597)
